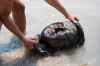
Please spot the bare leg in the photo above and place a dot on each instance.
(19, 15)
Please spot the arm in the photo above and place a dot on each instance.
(56, 4)
(11, 26)
(18, 11)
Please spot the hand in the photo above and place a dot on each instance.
(30, 42)
(73, 18)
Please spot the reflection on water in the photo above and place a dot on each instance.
(14, 44)
(12, 54)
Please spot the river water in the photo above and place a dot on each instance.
(39, 14)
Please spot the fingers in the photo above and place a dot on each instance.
(70, 19)
(73, 19)
(30, 42)
(77, 19)
(34, 39)
(28, 47)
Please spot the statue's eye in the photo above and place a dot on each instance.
(49, 32)
(59, 29)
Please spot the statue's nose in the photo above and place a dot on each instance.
(60, 35)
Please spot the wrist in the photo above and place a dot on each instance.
(67, 15)
(22, 38)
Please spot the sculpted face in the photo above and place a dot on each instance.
(59, 34)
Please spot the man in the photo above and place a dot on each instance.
(6, 7)
(56, 4)
(18, 25)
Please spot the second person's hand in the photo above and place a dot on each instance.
(73, 18)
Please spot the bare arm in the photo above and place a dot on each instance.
(56, 4)
(59, 7)
(18, 11)
(11, 26)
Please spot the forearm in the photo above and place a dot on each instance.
(56, 4)
(18, 11)
(10, 25)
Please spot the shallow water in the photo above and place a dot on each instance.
(40, 14)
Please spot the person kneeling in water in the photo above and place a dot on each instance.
(8, 6)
